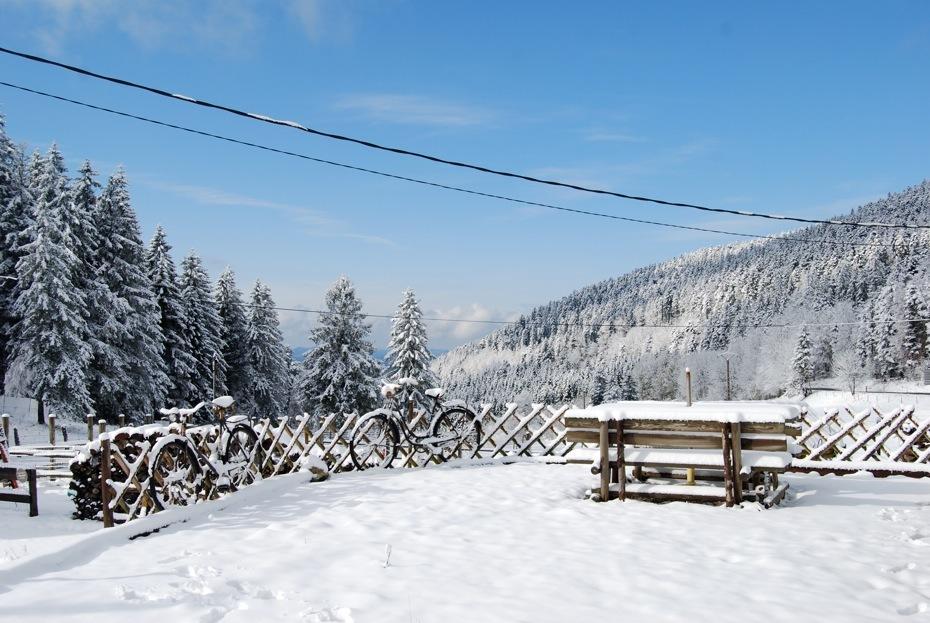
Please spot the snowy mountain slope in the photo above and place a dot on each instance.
(712, 301)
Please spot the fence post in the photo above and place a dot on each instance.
(90, 427)
(605, 462)
(51, 428)
(122, 420)
(6, 426)
(102, 427)
(105, 478)
(150, 418)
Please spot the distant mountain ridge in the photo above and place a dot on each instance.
(690, 309)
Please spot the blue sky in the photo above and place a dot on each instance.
(796, 108)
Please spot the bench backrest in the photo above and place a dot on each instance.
(678, 434)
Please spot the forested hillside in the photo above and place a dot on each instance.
(631, 336)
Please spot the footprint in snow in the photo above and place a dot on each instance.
(918, 608)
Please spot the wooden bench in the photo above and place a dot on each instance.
(721, 457)
(10, 494)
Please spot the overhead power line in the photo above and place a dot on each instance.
(603, 325)
(413, 180)
(438, 159)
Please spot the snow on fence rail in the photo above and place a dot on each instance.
(839, 442)
(136, 471)
(843, 442)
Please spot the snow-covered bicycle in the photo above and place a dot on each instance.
(179, 466)
(453, 430)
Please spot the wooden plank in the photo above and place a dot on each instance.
(621, 462)
(689, 426)
(728, 483)
(737, 462)
(775, 496)
(680, 441)
(605, 463)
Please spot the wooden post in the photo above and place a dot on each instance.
(104, 480)
(183, 420)
(90, 427)
(150, 418)
(727, 467)
(735, 431)
(33, 493)
(6, 427)
(621, 461)
(51, 428)
(102, 427)
(688, 383)
(605, 463)
(689, 478)
(122, 420)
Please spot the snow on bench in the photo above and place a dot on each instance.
(710, 411)
(747, 443)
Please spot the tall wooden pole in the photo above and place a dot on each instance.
(105, 480)
(90, 427)
(51, 429)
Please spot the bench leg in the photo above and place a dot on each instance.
(33, 493)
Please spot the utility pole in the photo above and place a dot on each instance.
(726, 357)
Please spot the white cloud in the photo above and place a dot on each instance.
(613, 137)
(315, 222)
(149, 23)
(416, 110)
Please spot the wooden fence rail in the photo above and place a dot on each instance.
(143, 479)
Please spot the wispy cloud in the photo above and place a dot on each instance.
(415, 110)
(315, 223)
(597, 136)
(148, 23)
(323, 19)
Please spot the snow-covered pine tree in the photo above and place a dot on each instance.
(803, 365)
(887, 355)
(598, 389)
(50, 354)
(106, 371)
(867, 338)
(915, 331)
(16, 212)
(201, 330)
(340, 373)
(268, 355)
(408, 356)
(175, 352)
(234, 338)
(122, 265)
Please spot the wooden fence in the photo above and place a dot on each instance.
(128, 473)
(120, 476)
(841, 441)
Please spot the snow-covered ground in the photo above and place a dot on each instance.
(478, 543)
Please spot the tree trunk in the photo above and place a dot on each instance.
(41, 410)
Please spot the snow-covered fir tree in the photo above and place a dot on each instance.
(142, 373)
(16, 211)
(340, 372)
(201, 330)
(105, 373)
(803, 363)
(269, 356)
(50, 353)
(915, 331)
(887, 353)
(408, 355)
(234, 338)
(176, 350)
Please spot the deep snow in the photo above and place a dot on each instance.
(484, 543)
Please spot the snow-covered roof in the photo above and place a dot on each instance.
(719, 411)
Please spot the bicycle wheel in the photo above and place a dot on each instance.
(456, 433)
(175, 475)
(241, 465)
(374, 442)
